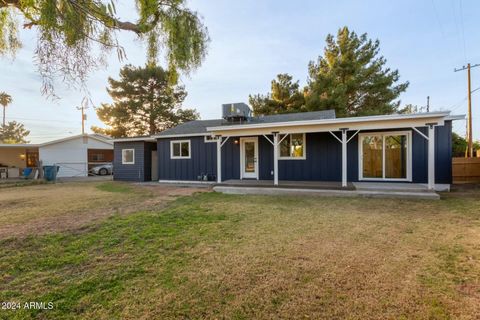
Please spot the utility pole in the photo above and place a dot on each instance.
(428, 103)
(469, 152)
(83, 107)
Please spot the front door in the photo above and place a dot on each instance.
(249, 158)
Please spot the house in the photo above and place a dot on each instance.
(74, 155)
(310, 146)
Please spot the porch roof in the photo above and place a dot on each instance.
(352, 123)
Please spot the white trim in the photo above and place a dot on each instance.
(172, 142)
(275, 159)
(290, 157)
(431, 157)
(420, 133)
(133, 156)
(135, 139)
(242, 158)
(333, 121)
(382, 134)
(182, 135)
(219, 159)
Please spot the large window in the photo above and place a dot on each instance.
(128, 156)
(180, 149)
(385, 156)
(292, 146)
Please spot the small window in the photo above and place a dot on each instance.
(210, 139)
(128, 156)
(292, 146)
(180, 149)
(98, 157)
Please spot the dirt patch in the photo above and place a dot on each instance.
(69, 206)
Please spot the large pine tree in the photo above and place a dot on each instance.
(352, 78)
(145, 102)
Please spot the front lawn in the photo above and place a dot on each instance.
(242, 257)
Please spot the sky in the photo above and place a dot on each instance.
(253, 41)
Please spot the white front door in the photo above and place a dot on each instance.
(249, 158)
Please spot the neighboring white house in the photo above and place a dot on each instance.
(72, 154)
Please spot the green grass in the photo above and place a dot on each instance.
(114, 187)
(242, 257)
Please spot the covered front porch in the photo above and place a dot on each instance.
(336, 153)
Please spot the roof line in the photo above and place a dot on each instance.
(329, 121)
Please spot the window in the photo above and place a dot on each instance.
(385, 156)
(98, 157)
(210, 139)
(128, 156)
(180, 149)
(292, 146)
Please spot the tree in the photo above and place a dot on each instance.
(75, 36)
(145, 102)
(459, 145)
(13, 132)
(5, 100)
(285, 97)
(352, 78)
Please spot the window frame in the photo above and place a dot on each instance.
(172, 142)
(383, 134)
(133, 156)
(304, 137)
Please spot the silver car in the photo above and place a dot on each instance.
(103, 169)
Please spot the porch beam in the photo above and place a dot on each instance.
(219, 159)
(431, 157)
(275, 158)
(333, 134)
(344, 157)
(421, 133)
(224, 141)
(268, 139)
(353, 136)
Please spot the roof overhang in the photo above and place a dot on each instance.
(20, 145)
(135, 139)
(182, 135)
(354, 123)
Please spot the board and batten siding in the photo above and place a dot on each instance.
(141, 169)
(202, 160)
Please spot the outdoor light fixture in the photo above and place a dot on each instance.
(235, 141)
(22, 156)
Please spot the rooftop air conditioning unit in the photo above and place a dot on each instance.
(236, 111)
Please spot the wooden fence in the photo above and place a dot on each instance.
(466, 170)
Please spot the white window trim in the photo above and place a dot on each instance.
(382, 134)
(214, 139)
(290, 157)
(133, 158)
(180, 157)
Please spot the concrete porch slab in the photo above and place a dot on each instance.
(326, 192)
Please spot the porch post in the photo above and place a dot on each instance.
(431, 156)
(344, 157)
(275, 158)
(219, 159)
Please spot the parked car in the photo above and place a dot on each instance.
(102, 169)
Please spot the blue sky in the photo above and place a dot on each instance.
(253, 41)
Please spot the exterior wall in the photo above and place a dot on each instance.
(141, 169)
(71, 155)
(323, 158)
(202, 160)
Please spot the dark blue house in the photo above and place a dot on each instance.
(310, 146)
